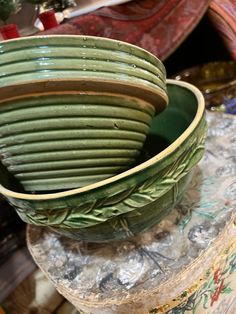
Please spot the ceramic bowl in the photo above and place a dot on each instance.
(84, 59)
(138, 198)
(75, 110)
(65, 140)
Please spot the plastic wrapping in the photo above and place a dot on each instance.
(145, 272)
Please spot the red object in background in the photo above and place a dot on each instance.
(157, 26)
(48, 19)
(223, 15)
(9, 31)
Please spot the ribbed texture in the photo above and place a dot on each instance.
(70, 140)
(75, 110)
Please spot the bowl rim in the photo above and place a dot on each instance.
(97, 38)
(171, 148)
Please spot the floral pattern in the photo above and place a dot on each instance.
(217, 283)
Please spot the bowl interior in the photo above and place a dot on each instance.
(172, 122)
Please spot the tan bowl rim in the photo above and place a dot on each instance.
(134, 170)
(156, 96)
(90, 37)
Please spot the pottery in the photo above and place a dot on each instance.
(79, 106)
(136, 199)
(84, 59)
(84, 47)
(66, 140)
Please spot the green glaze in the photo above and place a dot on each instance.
(76, 110)
(37, 126)
(96, 155)
(80, 55)
(91, 46)
(39, 59)
(88, 129)
(71, 134)
(91, 68)
(113, 159)
(126, 225)
(63, 145)
(75, 84)
(138, 198)
(68, 172)
(77, 98)
(84, 76)
(58, 181)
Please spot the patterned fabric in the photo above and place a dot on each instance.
(158, 26)
(217, 295)
(223, 16)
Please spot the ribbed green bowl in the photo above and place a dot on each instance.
(75, 110)
(136, 199)
(67, 140)
(82, 58)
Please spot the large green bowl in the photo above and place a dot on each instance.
(75, 110)
(134, 200)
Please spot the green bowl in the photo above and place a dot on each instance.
(136, 199)
(67, 140)
(75, 110)
(81, 47)
(82, 58)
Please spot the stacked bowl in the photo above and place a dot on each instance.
(136, 199)
(75, 110)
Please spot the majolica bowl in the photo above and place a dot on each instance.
(75, 110)
(138, 198)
